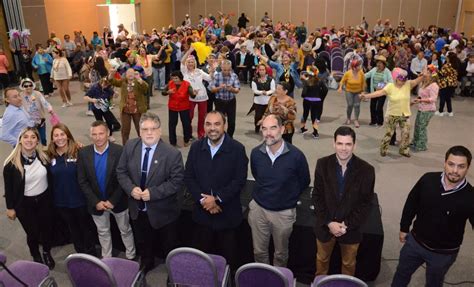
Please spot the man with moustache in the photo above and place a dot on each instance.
(442, 202)
(215, 174)
(343, 191)
(281, 174)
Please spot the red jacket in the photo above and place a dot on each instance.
(179, 100)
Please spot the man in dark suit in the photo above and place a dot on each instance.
(151, 172)
(97, 178)
(342, 194)
(216, 172)
(245, 63)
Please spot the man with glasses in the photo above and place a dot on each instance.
(151, 172)
(69, 47)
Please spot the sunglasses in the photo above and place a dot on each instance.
(27, 86)
(402, 78)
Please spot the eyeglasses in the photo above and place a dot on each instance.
(147, 130)
(27, 86)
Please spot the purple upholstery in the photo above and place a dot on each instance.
(87, 273)
(123, 270)
(3, 258)
(31, 273)
(193, 269)
(337, 64)
(348, 282)
(255, 277)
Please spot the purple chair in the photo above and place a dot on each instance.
(192, 267)
(259, 274)
(3, 258)
(337, 280)
(30, 273)
(348, 50)
(87, 270)
(337, 67)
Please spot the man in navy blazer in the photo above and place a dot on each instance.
(151, 173)
(215, 174)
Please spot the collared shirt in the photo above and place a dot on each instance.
(232, 81)
(215, 149)
(14, 120)
(150, 155)
(340, 175)
(417, 65)
(100, 165)
(451, 190)
(272, 156)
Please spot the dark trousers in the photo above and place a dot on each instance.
(80, 227)
(173, 122)
(413, 255)
(210, 101)
(220, 242)
(288, 137)
(35, 214)
(376, 110)
(4, 81)
(259, 112)
(46, 83)
(146, 237)
(445, 96)
(244, 73)
(109, 119)
(228, 108)
(315, 108)
(126, 120)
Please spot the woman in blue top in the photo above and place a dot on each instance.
(68, 198)
(43, 63)
(379, 76)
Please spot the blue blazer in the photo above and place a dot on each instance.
(225, 175)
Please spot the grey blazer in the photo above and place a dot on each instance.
(88, 180)
(164, 180)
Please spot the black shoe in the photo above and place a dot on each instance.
(38, 259)
(303, 130)
(372, 124)
(48, 260)
(315, 134)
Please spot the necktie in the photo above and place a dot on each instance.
(141, 203)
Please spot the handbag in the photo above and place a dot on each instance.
(332, 84)
(54, 119)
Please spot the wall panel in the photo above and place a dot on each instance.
(281, 10)
(181, 8)
(316, 14)
(447, 16)
(299, 11)
(410, 12)
(212, 6)
(353, 12)
(248, 7)
(429, 12)
(372, 12)
(262, 7)
(334, 13)
(197, 8)
(232, 6)
(390, 10)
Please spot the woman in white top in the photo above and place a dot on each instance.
(196, 77)
(61, 73)
(263, 86)
(27, 194)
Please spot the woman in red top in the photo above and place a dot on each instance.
(178, 104)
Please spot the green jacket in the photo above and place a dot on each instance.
(138, 89)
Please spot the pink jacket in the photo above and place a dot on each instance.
(4, 64)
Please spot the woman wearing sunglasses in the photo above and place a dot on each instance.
(398, 109)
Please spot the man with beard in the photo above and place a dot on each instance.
(442, 202)
(281, 174)
(216, 172)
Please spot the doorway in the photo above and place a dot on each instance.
(123, 14)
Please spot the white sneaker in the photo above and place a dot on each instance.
(451, 114)
(90, 113)
(437, 113)
(64, 105)
(69, 104)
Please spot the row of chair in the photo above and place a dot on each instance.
(186, 267)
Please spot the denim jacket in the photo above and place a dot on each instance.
(280, 70)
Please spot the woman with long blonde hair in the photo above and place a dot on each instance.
(27, 193)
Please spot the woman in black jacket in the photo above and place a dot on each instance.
(27, 194)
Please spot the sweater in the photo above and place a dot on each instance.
(440, 215)
(279, 185)
(387, 77)
(64, 184)
(353, 84)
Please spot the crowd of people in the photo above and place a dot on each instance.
(204, 66)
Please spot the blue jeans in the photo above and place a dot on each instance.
(159, 78)
(42, 133)
(413, 255)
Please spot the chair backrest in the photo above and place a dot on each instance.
(23, 272)
(3, 258)
(348, 50)
(338, 280)
(259, 274)
(337, 54)
(324, 54)
(337, 64)
(87, 270)
(189, 266)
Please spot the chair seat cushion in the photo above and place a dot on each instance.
(32, 273)
(123, 270)
(288, 275)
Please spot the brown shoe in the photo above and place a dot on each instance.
(383, 153)
(405, 154)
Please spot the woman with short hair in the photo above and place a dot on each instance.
(379, 77)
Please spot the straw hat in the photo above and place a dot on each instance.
(306, 47)
(380, 58)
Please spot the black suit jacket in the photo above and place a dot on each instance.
(249, 60)
(354, 206)
(88, 180)
(225, 174)
(164, 181)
